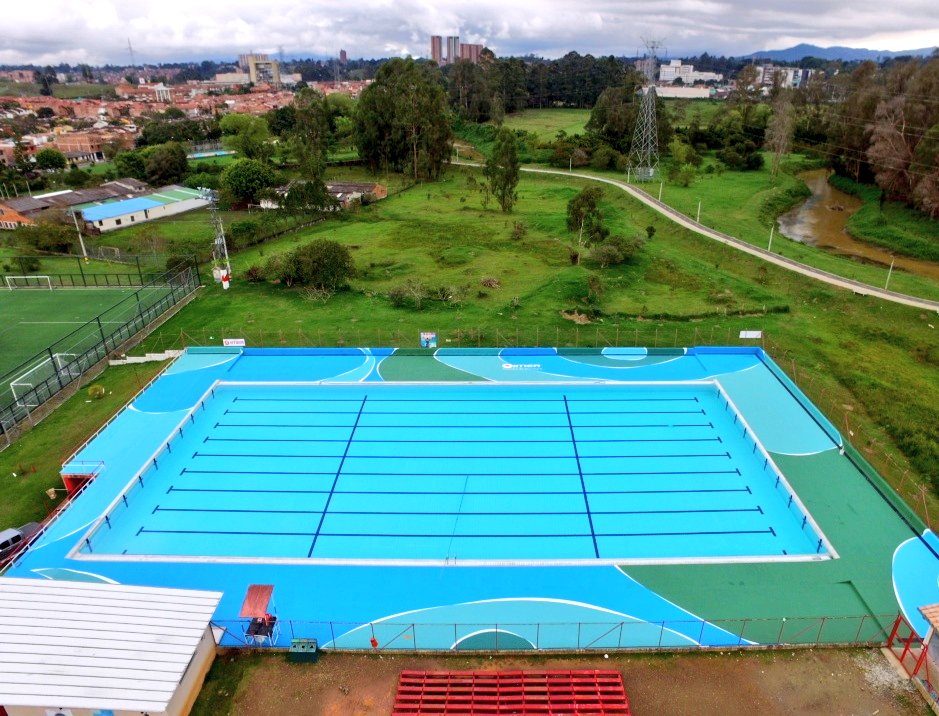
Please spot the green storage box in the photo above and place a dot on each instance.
(303, 650)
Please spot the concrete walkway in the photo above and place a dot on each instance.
(689, 223)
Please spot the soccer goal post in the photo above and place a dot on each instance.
(35, 281)
(34, 386)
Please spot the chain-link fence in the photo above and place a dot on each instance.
(861, 630)
(54, 271)
(404, 336)
(26, 388)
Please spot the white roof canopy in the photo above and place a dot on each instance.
(97, 646)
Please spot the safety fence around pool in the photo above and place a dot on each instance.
(692, 634)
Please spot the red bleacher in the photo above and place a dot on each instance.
(525, 693)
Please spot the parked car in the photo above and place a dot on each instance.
(12, 539)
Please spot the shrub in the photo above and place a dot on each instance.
(254, 274)
(605, 255)
(324, 264)
(96, 391)
(177, 262)
(410, 294)
(245, 233)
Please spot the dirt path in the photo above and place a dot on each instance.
(826, 682)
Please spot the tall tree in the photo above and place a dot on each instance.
(50, 159)
(247, 134)
(308, 142)
(245, 179)
(166, 164)
(502, 169)
(401, 120)
(779, 129)
(586, 218)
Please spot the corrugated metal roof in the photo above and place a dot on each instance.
(931, 613)
(97, 646)
(118, 208)
(26, 203)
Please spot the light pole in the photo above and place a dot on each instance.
(661, 185)
(81, 241)
(769, 246)
(698, 217)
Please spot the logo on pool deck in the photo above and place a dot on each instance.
(521, 366)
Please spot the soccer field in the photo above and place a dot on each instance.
(35, 319)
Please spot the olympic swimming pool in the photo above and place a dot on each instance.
(610, 498)
(483, 473)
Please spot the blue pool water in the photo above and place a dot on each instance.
(459, 473)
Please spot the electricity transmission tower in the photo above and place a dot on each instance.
(219, 245)
(644, 153)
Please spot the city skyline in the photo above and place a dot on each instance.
(169, 31)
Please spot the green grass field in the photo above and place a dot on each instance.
(35, 319)
(71, 266)
(30, 89)
(683, 111)
(546, 123)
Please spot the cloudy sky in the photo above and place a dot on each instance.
(96, 31)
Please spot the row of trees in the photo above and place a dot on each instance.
(886, 130)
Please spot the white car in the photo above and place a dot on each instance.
(11, 540)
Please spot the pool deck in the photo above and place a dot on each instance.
(835, 600)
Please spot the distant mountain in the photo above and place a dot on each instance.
(793, 54)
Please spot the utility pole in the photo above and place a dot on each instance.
(697, 219)
(889, 272)
(769, 247)
(219, 245)
(81, 241)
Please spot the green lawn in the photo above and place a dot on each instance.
(30, 89)
(893, 226)
(546, 123)
(72, 267)
(683, 111)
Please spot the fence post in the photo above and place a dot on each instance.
(104, 341)
(857, 637)
(821, 626)
(55, 367)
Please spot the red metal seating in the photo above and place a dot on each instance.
(523, 693)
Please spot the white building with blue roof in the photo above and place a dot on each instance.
(166, 201)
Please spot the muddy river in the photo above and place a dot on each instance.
(821, 219)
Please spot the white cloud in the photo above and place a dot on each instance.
(165, 30)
